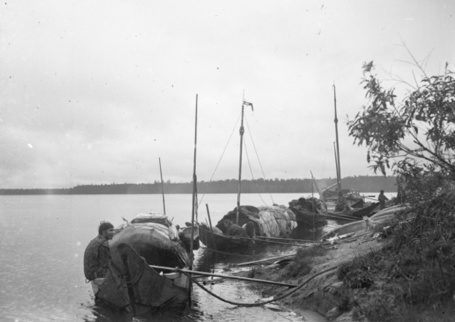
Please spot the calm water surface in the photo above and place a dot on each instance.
(43, 241)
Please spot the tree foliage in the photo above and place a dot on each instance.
(416, 135)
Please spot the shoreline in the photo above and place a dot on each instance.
(322, 294)
(396, 265)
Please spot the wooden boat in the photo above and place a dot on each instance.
(381, 217)
(366, 211)
(262, 222)
(352, 198)
(268, 222)
(131, 284)
(148, 257)
(309, 212)
(330, 195)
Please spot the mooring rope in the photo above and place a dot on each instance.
(286, 294)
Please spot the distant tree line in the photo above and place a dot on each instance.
(359, 183)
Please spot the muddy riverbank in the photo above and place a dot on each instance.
(317, 268)
(400, 270)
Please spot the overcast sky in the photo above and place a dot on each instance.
(95, 92)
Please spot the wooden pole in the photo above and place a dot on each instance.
(340, 217)
(220, 275)
(305, 241)
(317, 188)
(162, 188)
(265, 260)
(242, 131)
(336, 166)
(337, 140)
(211, 228)
(193, 212)
(194, 199)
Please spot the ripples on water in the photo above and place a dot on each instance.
(43, 241)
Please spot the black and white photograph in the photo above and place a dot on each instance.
(196, 161)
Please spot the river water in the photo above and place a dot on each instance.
(42, 246)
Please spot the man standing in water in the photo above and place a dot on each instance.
(382, 198)
(97, 256)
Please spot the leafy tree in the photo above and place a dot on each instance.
(413, 137)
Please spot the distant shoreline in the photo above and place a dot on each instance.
(360, 183)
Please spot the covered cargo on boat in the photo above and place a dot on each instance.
(131, 283)
(269, 221)
(276, 221)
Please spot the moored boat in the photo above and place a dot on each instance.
(309, 212)
(259, 224)
(339, 200)
(330, 196)
(131, 284)
(246, 226)
(382, 217)
(367, 210)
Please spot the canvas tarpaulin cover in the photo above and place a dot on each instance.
(276, 221)
(269, 221)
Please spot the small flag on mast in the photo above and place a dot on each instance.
(248, 104)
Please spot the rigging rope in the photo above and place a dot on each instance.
(252, 175)
(222, 154)
(257, 156)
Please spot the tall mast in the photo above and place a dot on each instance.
(337, 142)
(336, 163)
(242, 131)
(194, 206)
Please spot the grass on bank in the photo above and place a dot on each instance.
(413, 279)
(300, 266)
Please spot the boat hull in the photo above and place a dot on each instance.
(275, 221)
(135, 287)
(131, 284)
(221, 242)
(358, 212)
(381, 217)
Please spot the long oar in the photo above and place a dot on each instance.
(220, 275)
(341, 217)
(289, 239)
(266, 260)
(283, 241)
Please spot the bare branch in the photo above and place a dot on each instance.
(413, 58)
